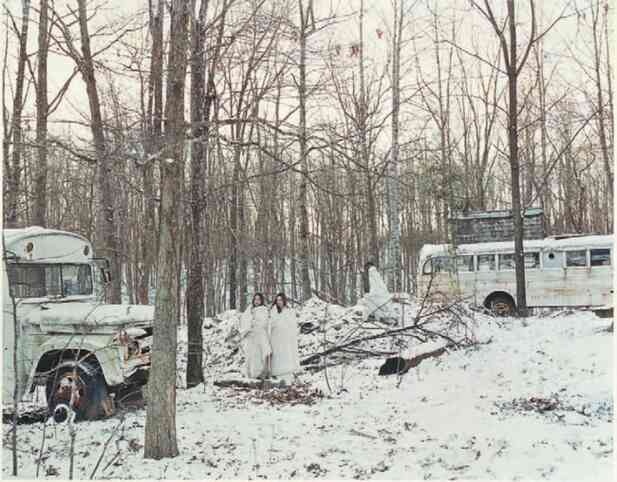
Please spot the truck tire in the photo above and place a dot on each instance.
(501, 305)
(87, 387)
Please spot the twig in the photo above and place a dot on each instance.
(113, 459)
(385, 334)
(40, 458)
(353, 431)
(325, 365)
(72, 434)
(111, 435)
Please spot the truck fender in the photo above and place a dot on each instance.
(107, 355)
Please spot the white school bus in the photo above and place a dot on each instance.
(573, 271)
(57, 333)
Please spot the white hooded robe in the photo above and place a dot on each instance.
(254, 336)
(284, 340)
(378, 299)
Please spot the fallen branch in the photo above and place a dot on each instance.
(400, 365)
(265, 384)
(353, 431)
(385, 334)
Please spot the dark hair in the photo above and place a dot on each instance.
(282, 295)
(369, 264)
(261, 297)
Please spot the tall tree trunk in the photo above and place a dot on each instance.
(13, 171)
(107, 244)
(154, 133)
(292, 237)
(242, 237)
(40, 186)
(373, 253)
(392, 175)
(160, 437)
(303, 195)
(199, 152)
(602, 114)
(234, 231)
(513, 71)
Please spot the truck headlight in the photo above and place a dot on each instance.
(125, 338)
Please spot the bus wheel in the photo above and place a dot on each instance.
(501, 305)
(82, 389)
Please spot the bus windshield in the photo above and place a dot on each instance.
(29, 280)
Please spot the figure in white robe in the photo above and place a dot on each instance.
(255, 339)
(284, 340)
(378, 301)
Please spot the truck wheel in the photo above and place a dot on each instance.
(501, 305)
(83, 388)
(130, 396)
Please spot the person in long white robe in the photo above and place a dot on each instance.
(378, 300)
(284, 340)
(255, 339)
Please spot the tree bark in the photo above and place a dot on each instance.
(303, 195)
(392, 175)
(107, 243)
(39, 216)
(13, 171)
(602, 115)
(160, 436)
(153, 142)
(513, 70)
(199, 152)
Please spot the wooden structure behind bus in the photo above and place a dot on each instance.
(562, 271)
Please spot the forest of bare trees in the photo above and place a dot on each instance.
(302, 138)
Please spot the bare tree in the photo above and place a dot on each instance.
(392, 174)
(40, 189)
(603, 117)
(513, 68)
(199, 150)
(202, 97)
(105, 239)
(153, 139)
(307, 26)
(160, 438)
(13, 170)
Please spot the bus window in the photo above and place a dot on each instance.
(437, 264)
(506, 261)
(464, 263)
(552, 260)
(600, 257)
(486, 262)
(442, 264)
(576, 259)
(532, 260)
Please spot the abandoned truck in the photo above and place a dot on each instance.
(57, 332)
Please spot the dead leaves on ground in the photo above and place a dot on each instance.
(296, 394)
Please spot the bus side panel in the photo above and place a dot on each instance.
(487, 281)
(600, 285)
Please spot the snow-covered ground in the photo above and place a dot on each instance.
(535, 402)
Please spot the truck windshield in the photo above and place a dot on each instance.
(28, 280)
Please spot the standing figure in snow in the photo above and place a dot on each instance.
(284, 339)
(255, 338)
(378, 300)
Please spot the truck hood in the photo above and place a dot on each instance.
(61, 317)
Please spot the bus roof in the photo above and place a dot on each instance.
(48, 245)
(528, 244)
